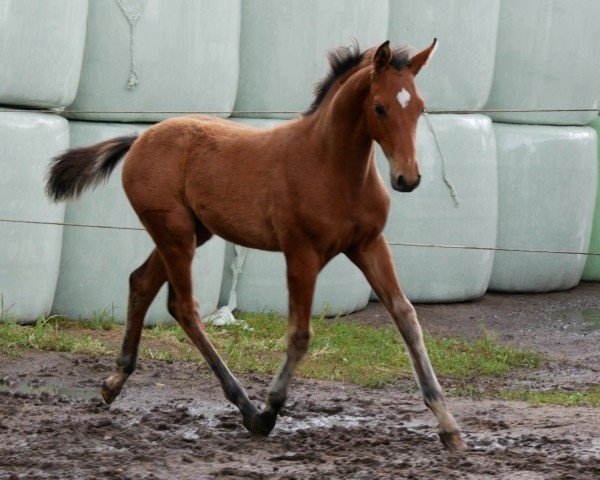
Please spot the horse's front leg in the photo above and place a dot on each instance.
(302, 271)
(375, 260)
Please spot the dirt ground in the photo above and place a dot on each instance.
(172, 420)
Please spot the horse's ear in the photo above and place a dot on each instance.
(382, 56)
(420, 59)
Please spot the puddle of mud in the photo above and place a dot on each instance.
(585, 320)
(54, 390)
(214, 415)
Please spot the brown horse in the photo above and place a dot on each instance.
(308, 188)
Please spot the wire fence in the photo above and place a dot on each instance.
(399, 244)
(67, 111)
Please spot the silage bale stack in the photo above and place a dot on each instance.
(155, 58)
(456, 202)
(592, 266)
(144, 61)
(41, 49)
(547, 175)
(284, 45)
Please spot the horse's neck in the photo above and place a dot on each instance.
(339, 127)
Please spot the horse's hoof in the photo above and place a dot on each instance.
(452, 441)
(109, 394)
(263, 423)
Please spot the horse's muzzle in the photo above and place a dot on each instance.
(401, 185)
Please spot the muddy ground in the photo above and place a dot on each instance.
(172, 420)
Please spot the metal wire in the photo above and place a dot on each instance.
(399, 244)
(286, 112)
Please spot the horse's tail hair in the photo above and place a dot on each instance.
(79, 168)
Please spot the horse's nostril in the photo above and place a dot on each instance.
(417, 182)
(402, 185)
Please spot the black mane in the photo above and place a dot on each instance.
(344, 59)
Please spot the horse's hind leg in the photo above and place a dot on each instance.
(144, 284)
(175, 235)
(302, 271)
(375, 260)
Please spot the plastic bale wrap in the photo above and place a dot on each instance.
(30, 253)
(41, 50)
(592, 266)
(96, 263)
(159, 56)
(547, 180)
(284, 46)
(262, 283)
(460, 73)
(547, 57)
(459, 149)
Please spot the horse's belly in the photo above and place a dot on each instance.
(239, 225)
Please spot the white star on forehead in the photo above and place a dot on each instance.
(403, 97)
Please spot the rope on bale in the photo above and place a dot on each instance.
(132, 9)
(453, 193)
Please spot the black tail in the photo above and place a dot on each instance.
(79, 168)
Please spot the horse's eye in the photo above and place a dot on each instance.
(380, 110)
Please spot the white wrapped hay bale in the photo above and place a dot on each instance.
(262, 283)
(463, 146)
(30, 253)
(284, 45)
(547, 57)
(460, 73)
(592, 265)
(96, 263)
(547, 180)
(155, 55)
(41, 49)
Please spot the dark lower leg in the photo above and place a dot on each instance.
(190, 321)
(302, 274)
(144, 284)
(375, 260)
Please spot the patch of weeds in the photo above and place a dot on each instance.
(48, 334)
(484, 356)
(590, 396)
(360, 353)
(6, 315)
(102, 320)
(340, 350)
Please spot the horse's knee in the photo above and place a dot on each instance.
(299, 340)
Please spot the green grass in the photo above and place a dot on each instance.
(6, 315)
(102, 320)
(340, 350)
(590, 396)
(48, 334)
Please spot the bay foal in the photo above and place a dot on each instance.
(308, 188)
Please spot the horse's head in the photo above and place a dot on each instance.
(393, 109)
